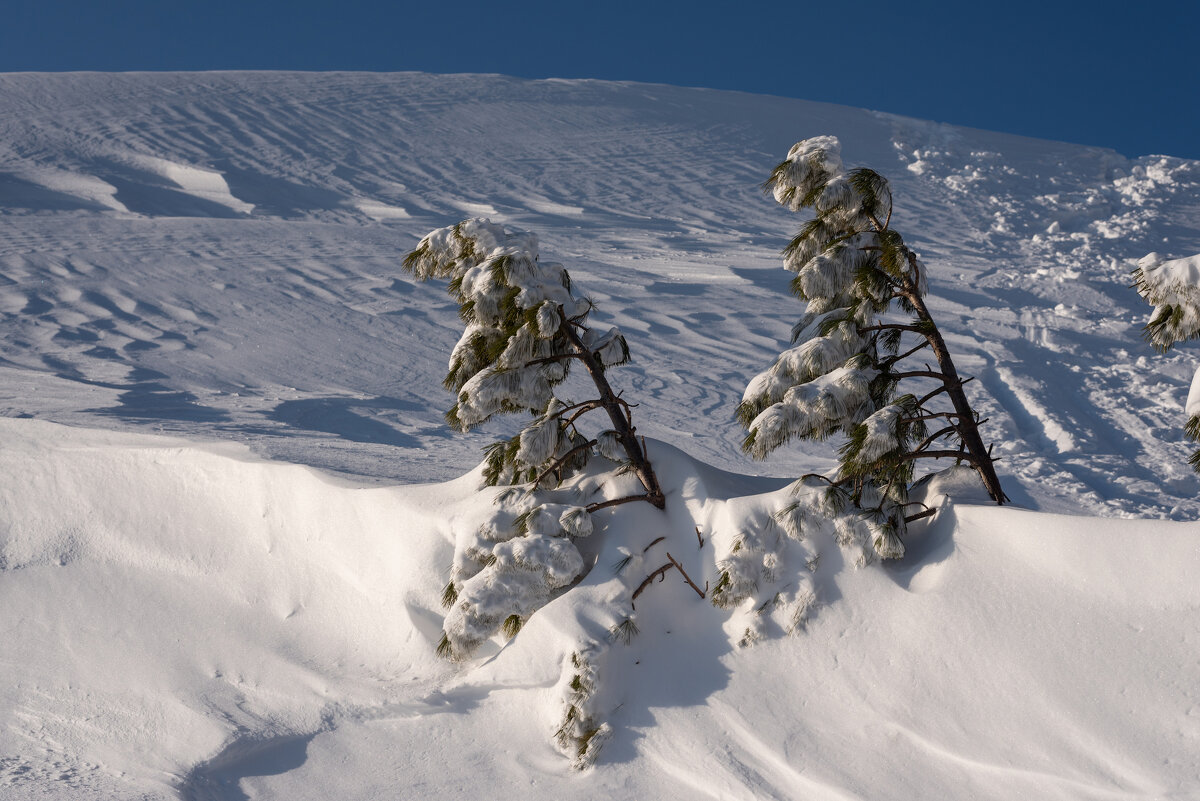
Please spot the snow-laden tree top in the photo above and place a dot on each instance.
(524, 329)
(510, 354)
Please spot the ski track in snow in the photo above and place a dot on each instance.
(216, 256)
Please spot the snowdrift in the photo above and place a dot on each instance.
(191, 620)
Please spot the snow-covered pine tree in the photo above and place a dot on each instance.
(1173, 288)
(524, 329)
(850, 356)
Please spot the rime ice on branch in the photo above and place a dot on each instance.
(849, 357)
(1173, 288)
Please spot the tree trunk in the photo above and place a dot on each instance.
(621, 424)
(966, 426)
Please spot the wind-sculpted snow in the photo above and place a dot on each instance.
(218, 254)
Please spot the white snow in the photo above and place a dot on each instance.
(191, 602)
(223, 541)
(203, 183)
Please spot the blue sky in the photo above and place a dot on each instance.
(1125, 76)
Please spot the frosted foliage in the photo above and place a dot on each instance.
(769, 567)
(838, 193)
(804, 249)
(831, 323)
(522, 347)
(473, 546)
(581, 734)
(446, 252)
(609, 346)
(495, 390)
(510, 587)
(510, 565)
(921, 274)
(556, 519)
(843, 205)
(764, 566)
(489, 283)
(1173, 287)
(885, 540)
(548, 320)
(465, 357)
(854, 536)
(750, 563)
(809, 165)
(539, 441)
(576, 522)
(543, 283)
(831, 272)
(555, 559)
(881, 436)
(1192, 405)
(518, 578)
(608, 443)
(803, 363)
(513, 306)
(837, 400)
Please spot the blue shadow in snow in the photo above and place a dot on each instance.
(342, 417)
(149, 399)
(219, 779)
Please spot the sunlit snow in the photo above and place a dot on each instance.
(224, 529)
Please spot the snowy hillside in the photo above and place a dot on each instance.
(247, 606)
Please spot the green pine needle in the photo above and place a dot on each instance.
(624, 631)
(449, 595)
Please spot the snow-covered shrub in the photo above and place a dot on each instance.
(849, 357)
(1173, 288)
(509, 568)
(581, 734)
(777, 556)
(762, 564)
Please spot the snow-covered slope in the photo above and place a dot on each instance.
(216, 257)
(190, 621)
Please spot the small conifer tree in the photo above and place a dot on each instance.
(524, 329)
(850, 359)
(1173, 288)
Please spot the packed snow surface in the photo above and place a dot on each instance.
(225, 535)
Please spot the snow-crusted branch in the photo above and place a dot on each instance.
(1173, 288)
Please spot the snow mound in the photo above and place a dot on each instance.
(192, 620)
(170, 600)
